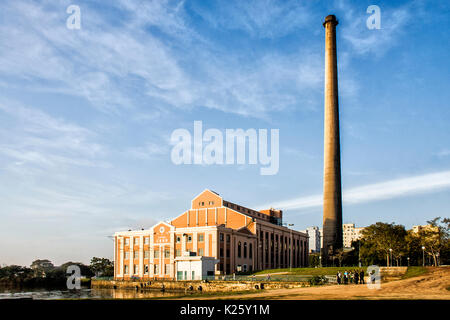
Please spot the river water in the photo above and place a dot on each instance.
(45, 294)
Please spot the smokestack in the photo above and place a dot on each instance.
(332, 198)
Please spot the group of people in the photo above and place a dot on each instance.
(355, 277)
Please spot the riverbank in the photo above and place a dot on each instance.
(197, 286)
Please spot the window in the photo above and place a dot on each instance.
(156, 254)
(245, 249)
(221, 252)
(146, 269)
(211, 203)
(200, 237)
(146, 240)
(200, 251)
(189, 239)
(166, 269)
(156, 269)
(127, 255)
(136, 255)
(146, 254)
(228, 238)
(228, 253)
(127, 241)
(221, 237)
(166, 253)
(178, 253)
(239, 249)
(125, 269)
(136, 241)
(178, 239)
(250, 251)
(136, 269)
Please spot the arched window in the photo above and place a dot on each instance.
(239, 249)
(250, 251)
(245, 249)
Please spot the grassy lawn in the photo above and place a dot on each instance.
(310, 271)
(414, 272)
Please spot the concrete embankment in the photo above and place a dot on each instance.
(182, 286)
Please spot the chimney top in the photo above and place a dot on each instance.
(331, 18)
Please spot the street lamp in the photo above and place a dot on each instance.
(423, 256)
(390, 259)
(408, 261)
(320, 261)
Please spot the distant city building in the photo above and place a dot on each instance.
(429, 227)
(314, 239)
(350, 234)
(213, 237)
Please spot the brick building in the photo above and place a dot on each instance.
(235, 237)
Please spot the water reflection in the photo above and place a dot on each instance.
(44, 294)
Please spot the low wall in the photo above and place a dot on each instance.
(392, 273)
(210, 286)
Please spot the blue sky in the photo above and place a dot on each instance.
(86, 115)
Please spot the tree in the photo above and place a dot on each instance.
(435, 237)
(102, 266)
(15, 272)
(314, 260)
(84, 269)
(41, 267)
(379, 238)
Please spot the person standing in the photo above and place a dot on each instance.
(338, 277)
(356, 276)
(361, 277)
(345, 277)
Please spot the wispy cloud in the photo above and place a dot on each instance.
(377, 191)
(37, 138)
(123, 65)
(258, 18)
(376, 41)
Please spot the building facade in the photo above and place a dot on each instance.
(314, 239)
(427, 227)
(236, 237)
(351, 233)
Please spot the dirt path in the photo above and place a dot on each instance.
(432, 285)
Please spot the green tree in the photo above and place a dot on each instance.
(42, 267)
(379, 238)
(314, 260)
(435, 237)
(85, 270)
(102, 267)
